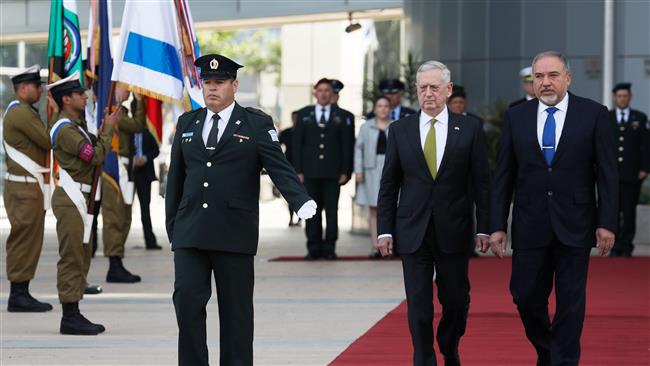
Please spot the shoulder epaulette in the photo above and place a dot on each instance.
(256, 111)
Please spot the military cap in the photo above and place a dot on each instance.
(526, 73)
(217, 67)
(30, 75)
(66, 86)
(458, 91)
(337, 85)
(391, 86)
(622, 86)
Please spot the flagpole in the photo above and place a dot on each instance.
(98, 169)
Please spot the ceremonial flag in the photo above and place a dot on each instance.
(64, 40)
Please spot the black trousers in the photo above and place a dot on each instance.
(453, 293)
(628, 199)
(326, 194)
(143, 188)
(534, 270)
(234, 277)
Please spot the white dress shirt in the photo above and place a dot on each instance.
(319, 111)
(441, 126)
(224, 116)
(621, 112)
(559, 115)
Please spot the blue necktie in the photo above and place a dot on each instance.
(548, 136)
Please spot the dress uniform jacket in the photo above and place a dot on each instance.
(349, 116)
(323, 152)
(212, 199)
(24, 132)
(631, 145)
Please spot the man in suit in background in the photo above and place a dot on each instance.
(146, 150)
(392, 89)
(322, 147)
(212, 212)
(555, 151)
(424, 213)
(631, 136)
(526, 75)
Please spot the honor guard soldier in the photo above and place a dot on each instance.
(632, 139)
(212, 212)
(26, 196)
(392, 89)
(526, 76)
(323, 143)
(117, 196)
(337, 86)
(78, 154)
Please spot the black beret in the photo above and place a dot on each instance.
(337, 85)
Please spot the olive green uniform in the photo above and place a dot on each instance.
(74, 256)
(116, 213)
(24, 131)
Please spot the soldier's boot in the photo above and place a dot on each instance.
(73, 323)
(21, 301)
(117, 272)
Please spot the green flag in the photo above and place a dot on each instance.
(64, 42)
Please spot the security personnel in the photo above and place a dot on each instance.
(632, 140)
(78, 154)
(322, 144)
(526, 76)
(212, 212)
(117, 196)
(337, 86)
(27, 145)
(392, 89)
(457, 103)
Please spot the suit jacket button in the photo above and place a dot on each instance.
(620, 148)
(322, 135)
(322, 146)
(205, 205)
(550, 193)
(550, 170)
(205, 184)
(208, 164)
(622, 128)
(621, 138)
(321, 157)
(620, 159)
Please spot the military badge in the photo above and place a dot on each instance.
(214, 64)
(635, 125)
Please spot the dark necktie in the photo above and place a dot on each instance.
(548, 136)
(393, 115)
(623, 120)
(211, 144)
(323, 120)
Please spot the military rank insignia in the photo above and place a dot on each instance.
(274, 135)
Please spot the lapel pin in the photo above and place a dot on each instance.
(238, 122)
(240, 140)
(457, 128)
(197, 122)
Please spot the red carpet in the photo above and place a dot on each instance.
(616, 330)
(339, 258)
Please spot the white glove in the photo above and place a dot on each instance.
(307, 210)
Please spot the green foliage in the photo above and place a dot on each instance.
(257, 50)
(410, 68)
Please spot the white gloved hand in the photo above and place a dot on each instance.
(307, 210)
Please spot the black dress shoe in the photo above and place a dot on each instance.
(452, 362)
(330, 256)
(153, 247)
(311, 256)
(93, 289)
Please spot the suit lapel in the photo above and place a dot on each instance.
(197, 128)
(531, 129)
(231, 128)
(453, 132)
(413, 135)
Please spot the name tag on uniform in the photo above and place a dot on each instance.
(274, 136)
(240, 136)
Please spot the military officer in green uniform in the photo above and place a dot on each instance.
(212, 212)
(632, 140)
(78, 154)
(117, 196)
(26, 196)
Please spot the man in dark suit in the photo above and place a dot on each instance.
(424, 212)
(146, 150)
(555, 151)
(322, 147)
(392, 89)
(631, 136)
(212, 212)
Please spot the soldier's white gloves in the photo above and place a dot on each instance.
(307, 210)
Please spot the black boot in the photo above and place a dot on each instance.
(20, 300)
(117, 272)
(73, 323)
